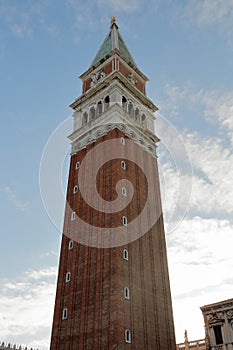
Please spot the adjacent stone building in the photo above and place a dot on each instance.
(218, 319)
(199, 344)
(218, 323)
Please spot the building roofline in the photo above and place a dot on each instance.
(223, 303)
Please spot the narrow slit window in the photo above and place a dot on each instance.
(125, 254)
(122, 141)
(73, 216)
(143, 120)
(99, 108)
(68, 277)
(77, 165)
(136, 114)
(124, 191)
(143, 117)
(92, 113)
(123, 165)
(71, 244)
(126, 293)
(124, 221)
(85, 119)
(130, 109)
(75, 189)
(127, 336)
(124, 103)
(65, 313)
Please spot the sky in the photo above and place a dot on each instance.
(186, 50)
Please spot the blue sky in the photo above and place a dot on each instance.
(186, 49)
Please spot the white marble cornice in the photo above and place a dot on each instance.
(109, 80)
(110, 120)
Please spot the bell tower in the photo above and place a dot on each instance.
(113, 287)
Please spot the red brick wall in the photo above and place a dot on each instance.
(125, 71)
(108, 69)
(87, 83)
(98, 312)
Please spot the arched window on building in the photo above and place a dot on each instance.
(92, 113)
(85, 119)
(122, 141)
(123, 165)
(123, 191)
(127, 336)
(124, 103)
(124, 220)
(75, 189)
(65, 313)
(143, 119)
(71, 244)
(107, 102)
(68, 277)
(136, 114)
(130, 109)
(218, 334)
(125, 254)
(126, 293)
(99, 108)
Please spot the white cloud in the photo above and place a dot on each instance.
(217, 106)
(12, 198)
(199, 251)
(41, 274)
(22, 28)
(220, 105)
(84, 14)
(207, 12)
(48, 254)
(175, 171)
(212, 183)
(23, 20)
(208, 190)
(88, 9)
(195, 175)
(200, 261)
(27, 307)
(176, 97)
(17, 19)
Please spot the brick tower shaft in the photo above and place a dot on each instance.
(113, 286)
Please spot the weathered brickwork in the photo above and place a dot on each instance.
(98, 313)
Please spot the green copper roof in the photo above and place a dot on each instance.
(113, 41)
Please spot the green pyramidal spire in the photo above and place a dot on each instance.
(113, 41)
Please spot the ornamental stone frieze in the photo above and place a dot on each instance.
(102, 130)
(229, 314)
(132, 79)
(97, 77)
(216, 318)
